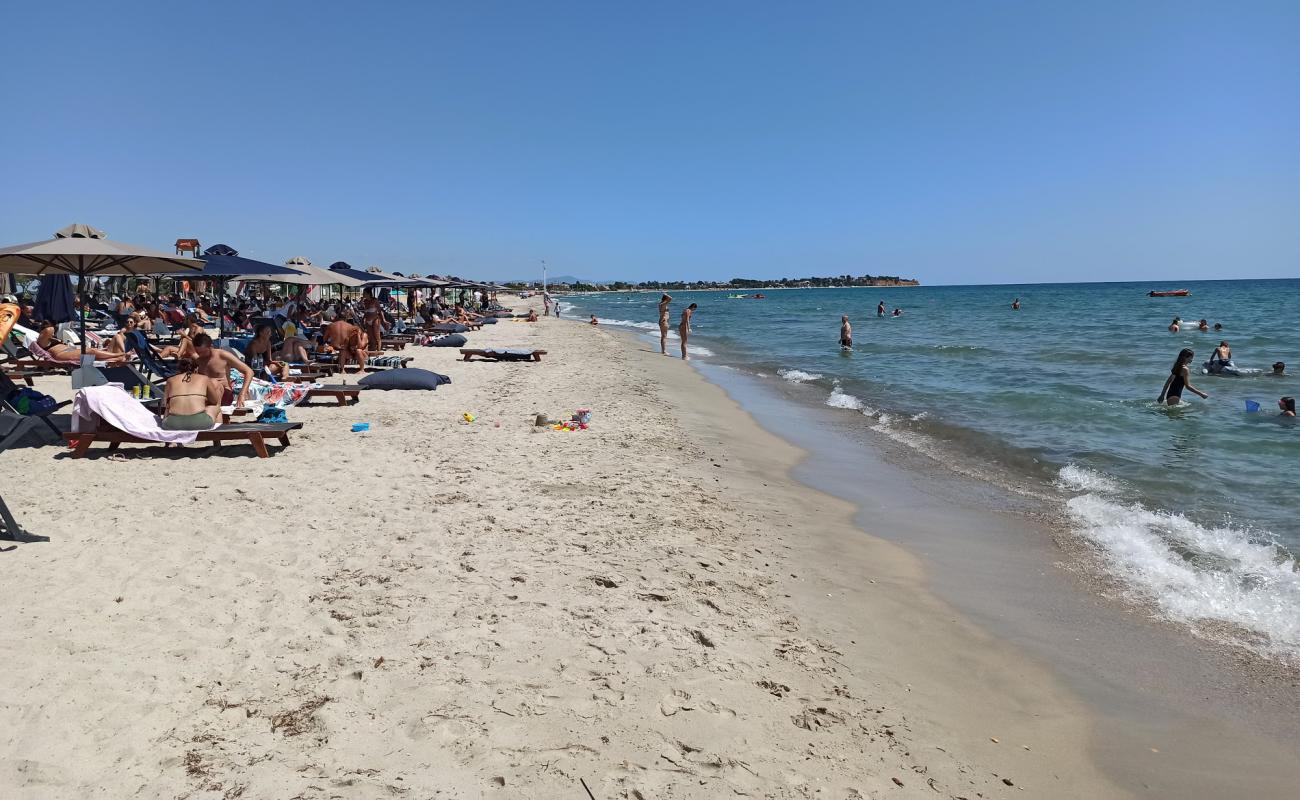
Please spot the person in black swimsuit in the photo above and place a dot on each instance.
(1179, 379)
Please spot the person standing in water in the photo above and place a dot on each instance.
(1179, 379)
(1174, 326)
(663, 322)
(684, 329)
(880, 309)
(846, 333)
(1015, 304)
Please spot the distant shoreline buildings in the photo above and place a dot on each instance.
(838, 281)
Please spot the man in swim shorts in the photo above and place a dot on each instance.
(217, 364)
(846, 332)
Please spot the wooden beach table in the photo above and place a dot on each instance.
(255, 433)
(342, 394)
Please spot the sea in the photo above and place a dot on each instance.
(1193, 508)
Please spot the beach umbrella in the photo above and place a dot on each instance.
(83, 251)
(308, 274)
(54, 299)
(222, 262)
(366, 278)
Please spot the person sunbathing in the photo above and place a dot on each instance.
(69, 354)
(347, 340)
(191, 402)
(118, 343)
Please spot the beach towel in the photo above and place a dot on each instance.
(113, 406)
(265, 394)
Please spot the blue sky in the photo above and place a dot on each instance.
(956, 142)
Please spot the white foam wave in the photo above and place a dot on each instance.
(1081, 479)
(1194, 574)
(841, 399)
(627, 323)
(797, 375)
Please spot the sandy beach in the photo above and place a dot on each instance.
(652, 608)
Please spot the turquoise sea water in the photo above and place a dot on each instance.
(1194, 507)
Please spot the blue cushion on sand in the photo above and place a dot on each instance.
(451, 340)
(411, 378)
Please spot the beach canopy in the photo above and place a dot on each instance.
(308, 274)
(223, 261)
(83, 251)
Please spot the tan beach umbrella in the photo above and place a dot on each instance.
(309, 275)
(83, 251)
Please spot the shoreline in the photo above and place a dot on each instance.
(655, 606)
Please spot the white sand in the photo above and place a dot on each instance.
(435, 609)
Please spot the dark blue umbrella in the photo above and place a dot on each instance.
(344, 268)
(54, 299)
(222, 261)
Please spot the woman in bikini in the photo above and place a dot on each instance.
(191, 402)
(1179, 379)
(68, 354)
(684, 329)
(372, 320)
(663, 322)
(259, 354)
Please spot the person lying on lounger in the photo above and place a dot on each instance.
(69, 354)
(191, 402)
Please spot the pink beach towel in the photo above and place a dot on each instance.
(113, 406)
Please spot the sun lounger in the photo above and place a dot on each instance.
(8, 387)
(504, 354)
(342, 394)
(255, 433)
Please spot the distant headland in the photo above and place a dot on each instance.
(838, 281)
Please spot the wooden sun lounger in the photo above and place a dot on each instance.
(500, 355)
(255, 433)
(342, 394)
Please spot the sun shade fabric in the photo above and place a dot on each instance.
(78, 255)
(222, 261)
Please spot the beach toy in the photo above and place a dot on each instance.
(358, 427)
(468, 417)
(1252, 406)
(583, 416)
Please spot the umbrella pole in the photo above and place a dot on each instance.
(221, 308)
(81, 308)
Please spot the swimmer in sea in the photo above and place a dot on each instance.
(663, 322)
(1174, 326)
(898, 312)
(1203, 326)
(1179, 379)
(1218, 326)
(1015, 304)
(846, 333)
(880, 309)
(1221, 357)
(1279, 368)
(1287, 404)
(684, 329)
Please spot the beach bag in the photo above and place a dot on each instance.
(31, 403)
(273, 414)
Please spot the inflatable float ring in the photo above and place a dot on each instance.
(9, 314)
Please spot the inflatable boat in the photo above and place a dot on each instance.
(1171, 293)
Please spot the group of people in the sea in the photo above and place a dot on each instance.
(1219, 363)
